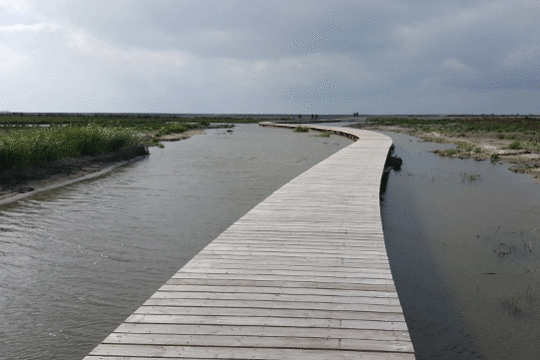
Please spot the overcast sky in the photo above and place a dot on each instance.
(325, 57)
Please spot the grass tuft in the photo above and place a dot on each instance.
(324, 134)
(301, 129)
(515, 145)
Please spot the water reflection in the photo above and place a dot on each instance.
(461, 238)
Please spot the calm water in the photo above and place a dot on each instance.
(463, 238)
(74, 263)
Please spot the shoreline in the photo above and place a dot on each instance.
(480, 147)
(57, 174)
(61, 180)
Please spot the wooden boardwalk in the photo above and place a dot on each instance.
(303, 275)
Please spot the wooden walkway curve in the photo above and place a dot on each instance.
(303, 275)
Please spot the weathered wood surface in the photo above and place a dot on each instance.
(303, 275)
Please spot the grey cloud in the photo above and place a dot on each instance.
(277, 56)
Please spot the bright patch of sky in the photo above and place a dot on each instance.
(321, 57)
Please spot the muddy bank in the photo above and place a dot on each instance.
(492, 146)
(181, 136)
(20, 182)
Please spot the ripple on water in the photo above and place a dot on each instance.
(84, 257)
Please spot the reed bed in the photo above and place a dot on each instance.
(36, 145)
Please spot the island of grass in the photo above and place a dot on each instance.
(515, 139)
(37, 150)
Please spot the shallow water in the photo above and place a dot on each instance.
(77, 261)
(463, 239)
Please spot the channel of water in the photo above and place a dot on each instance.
(462, 237)
(77, 261)
(463, 240)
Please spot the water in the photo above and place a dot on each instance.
(463, 239)
(462, 236)
(77, 261)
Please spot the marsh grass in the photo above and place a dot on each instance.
(465, 177)
(140, 122)
(301, 129)
(175, 128)
(515, 145)
(464, 146)
(37, 145)
(495, 124)
(324, 134)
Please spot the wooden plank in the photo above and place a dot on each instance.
(327, 279)
(382, 335)
(277, 290)
(140, 352)
(265, 311)
(280, 265)
(303, 275)
(322, 273)
(295, 342)
(375, 310)
(267, 321)
(275, 297)
(284, 284)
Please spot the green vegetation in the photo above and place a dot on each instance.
(464, 146)
(516, 145)
(176, 128)
(301, 129)
(522, 128)
(140, 122)
(35, 145)
(477, 137)
(32, 139)
(324, 134)
(447, 152)
(465, 177)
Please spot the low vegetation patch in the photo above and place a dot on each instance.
(176, 128)
(301, 129)
(36, 145)
(140, 122)
(465, 177)
(477, 137)
(516, 145)
(30, 139)
(324, 134)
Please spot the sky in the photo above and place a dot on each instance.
(286, 57)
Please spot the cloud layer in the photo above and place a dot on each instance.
(332, 57)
